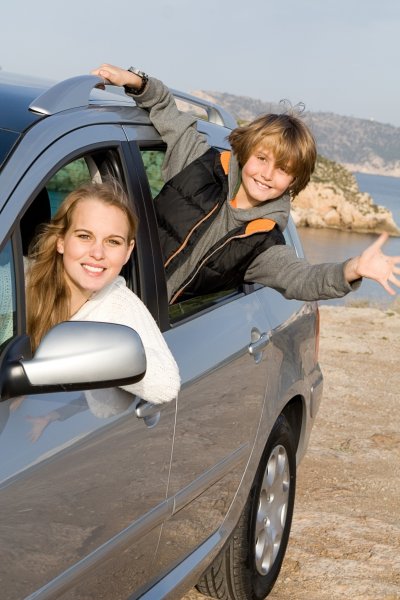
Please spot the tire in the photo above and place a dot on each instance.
(249, 564)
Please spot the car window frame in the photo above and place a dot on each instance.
(209, 302)
(15, 313)
(73, 145)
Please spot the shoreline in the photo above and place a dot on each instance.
(361, 231)
(361, 171)
(395, 173)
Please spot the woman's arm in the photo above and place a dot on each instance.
(177, 129)
(117, 304)
(161, 382)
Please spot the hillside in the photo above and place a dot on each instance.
(360, 144)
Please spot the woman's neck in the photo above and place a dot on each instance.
(76, 303)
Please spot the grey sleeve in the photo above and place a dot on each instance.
(177, 129)
(280, 268)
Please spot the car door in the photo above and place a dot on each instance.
(222, 353)
(83, 475)
(220, 343)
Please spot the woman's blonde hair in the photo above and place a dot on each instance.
(48, 296)
(287, 137)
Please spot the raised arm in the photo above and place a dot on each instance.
(177, 129)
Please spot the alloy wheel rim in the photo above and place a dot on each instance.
(272, 509)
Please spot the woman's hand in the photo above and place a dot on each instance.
(118, 76)
(15, 403)
(38, 425)
(375, 265)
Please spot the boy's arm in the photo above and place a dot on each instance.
(177, 129)
(280, 268)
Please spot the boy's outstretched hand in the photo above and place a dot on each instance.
(373, 264)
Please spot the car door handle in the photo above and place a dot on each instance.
(150, 413)
(258, 343)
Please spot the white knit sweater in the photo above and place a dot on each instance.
(117, 304)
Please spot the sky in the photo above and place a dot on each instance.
(340, 56)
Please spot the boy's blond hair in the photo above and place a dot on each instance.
(287, 137)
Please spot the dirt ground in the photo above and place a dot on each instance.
(345, 540)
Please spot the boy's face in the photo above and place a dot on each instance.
(262, 180)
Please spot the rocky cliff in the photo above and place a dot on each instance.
(362, 145)
(332, 199)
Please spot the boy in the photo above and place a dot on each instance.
(221, 215)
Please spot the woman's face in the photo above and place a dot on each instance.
(94, 249)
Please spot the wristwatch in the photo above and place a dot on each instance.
(144, 77)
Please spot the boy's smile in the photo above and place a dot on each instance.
(262, 180)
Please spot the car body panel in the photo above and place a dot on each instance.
(117, 498)
(58, 488)
(219, 409)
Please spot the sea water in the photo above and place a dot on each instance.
(331, 245)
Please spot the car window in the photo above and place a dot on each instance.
(182, 310)
(70, 176)
(153, 161)
(288, 237)
(7, 295)
(66, 180)
(97, 166)
(45, 204)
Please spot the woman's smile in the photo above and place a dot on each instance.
(94, 250)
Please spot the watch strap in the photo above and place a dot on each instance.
(143, 76)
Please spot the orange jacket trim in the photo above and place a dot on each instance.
(260, 225)
(225, 158)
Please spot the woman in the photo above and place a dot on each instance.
(74, 275)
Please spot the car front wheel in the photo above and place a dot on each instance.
(249, 564)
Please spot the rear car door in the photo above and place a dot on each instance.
(222, 354)
(83, 475)
(220, 344)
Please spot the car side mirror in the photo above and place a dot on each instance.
(75, 355)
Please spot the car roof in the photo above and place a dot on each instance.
(26, 100)
(16, 94)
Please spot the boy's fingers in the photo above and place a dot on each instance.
(387, 287)
(382, 239)
(378, 243)
(394, 280)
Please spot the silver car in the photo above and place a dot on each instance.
(103, 495)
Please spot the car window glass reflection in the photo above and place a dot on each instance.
(153, 161)
(66, 180)
(45, 424)
(7, 295)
